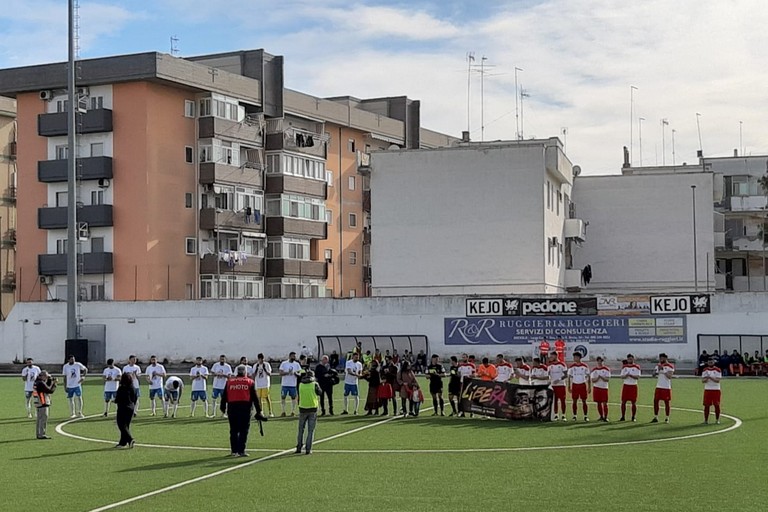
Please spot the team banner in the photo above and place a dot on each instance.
(574, 330)
(507, 401)
(522, 306)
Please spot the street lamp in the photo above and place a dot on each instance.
(695, 253)
(218, 255)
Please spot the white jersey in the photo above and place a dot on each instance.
(578, 373)
(111, 379)
(600, 371)
(665, 372)
(356, 368)
(169, 383)
(713, 372)
(262, 375)
(466, 370)
(134, 371)
(248, 370)
(557, 372)
(30, 373)
(73, 373)
(523, 374)
(221, 373)
(155, 375)
(630, 373)
(504, 372)
(198, 384)
(539, 375)
(292, 369)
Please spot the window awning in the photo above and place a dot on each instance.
(391, 140)
(252, 234)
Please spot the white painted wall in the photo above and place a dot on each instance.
(640, 233)
(462, 220)
(184, 329)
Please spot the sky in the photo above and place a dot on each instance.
(589, 69)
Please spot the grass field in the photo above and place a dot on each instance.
(419, 464)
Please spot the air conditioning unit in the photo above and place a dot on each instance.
(83, 92)
(104, 183)
(46, 95)
(47, 280)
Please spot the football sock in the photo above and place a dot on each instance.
(623, 409)
(717, 412)
(453, 405)
(72, 405)
(442, 405)
(584, 407)
(194, 406)
(655, 407)
(666, 407)
(634, 409)
(706, 413)
(357, 403)
(575, 407)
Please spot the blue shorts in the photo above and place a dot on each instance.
(288, 391)
(28, 394)
(138, 392)
(109, 396)
(76, 391)
(199, 395)
(350, 389)
(155, 392)
(217, 393)
(173, 396)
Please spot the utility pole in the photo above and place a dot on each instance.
(632, 90)
(482, 97)
(698, 129)
(664, 124)
(470, 60)
(517, 107)
(695, 250)
(640, 133)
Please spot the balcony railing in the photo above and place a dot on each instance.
(294, 185)
(748, 203)
(295, 139)
(286, 226)
(248, 175)
(99, 215)
(231, 219)
(92, 121)
(297, 268)
(90, 262)
(231, 263)
(249, 131)
(90, 168)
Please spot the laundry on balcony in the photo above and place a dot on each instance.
(304, 141)
(233, 258)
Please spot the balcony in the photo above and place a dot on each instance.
(748, 244)
(9, 282)
(719, 240)
(293, 185)
(92, 121)
(214, 172)
(230, 219)
(92, 263)
(12, 149)
(91, 168)
(575, 229)
(297, 268)
(9, 194)
(215, 264)
(287, 226)
(573, 280)
(366, 200)
(367, 236)
(366, 273)
(296, 139)
(748, 203)
(363, 163)
(248, 132)
(97, 216)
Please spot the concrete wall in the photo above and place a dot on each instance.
(458, 221)
(640, 233)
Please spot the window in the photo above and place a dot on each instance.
(189, 155)
(351, 145)
(190, 291)
(352, 220)
(549, 196)
(97, 244)
(295, 206)
(191, 245)
(353, 293)
(189, 109)
(248, 198)
(329, 255)
(61, 246)
(329, 178)
(353, 257)
(351, 183)
(559, 200)
(61, 199)
(62, 105)
(97, 197)
(97, 102)
(97, 149)
(329, 217)
(62, 152)
(231, 287)
(253, 246)
(188, 200)
(295, 288)
(288, 248)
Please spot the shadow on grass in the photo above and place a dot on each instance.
(12, 421)
(65, 454)
(210, 462)
(10, 441)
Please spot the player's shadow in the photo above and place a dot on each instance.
(478, 423)
(12, 421)
(65, 454)
(10, 441)
(220, 460)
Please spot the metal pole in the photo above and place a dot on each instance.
(640, 135)
(470, 60)
(673, 146)
(482, 97)
(517, 110)
(695, 253)
(217, 255)
(698, 129)
(632, 90)
(72, 295)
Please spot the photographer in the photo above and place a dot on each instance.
(45, 385)
(238, 399)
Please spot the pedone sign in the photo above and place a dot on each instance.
(494, 307)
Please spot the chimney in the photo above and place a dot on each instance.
(465, 136)
(626, 159)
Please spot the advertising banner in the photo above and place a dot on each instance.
(506, 400)
(573, 330)
(521, 306)
(623, 305)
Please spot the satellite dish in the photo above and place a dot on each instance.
(576, 170)
(393, 147)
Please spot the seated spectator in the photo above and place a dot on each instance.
(737, 364)
(703, 358)
(749, 362)
(724, 363)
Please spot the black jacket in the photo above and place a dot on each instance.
(126, 397)
(326, 377)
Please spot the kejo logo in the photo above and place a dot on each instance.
(680, 305)
(550, 307)
(493, 307)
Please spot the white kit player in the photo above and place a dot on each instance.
(262, 373)
(155, 375)
(522, 371)
(111, 376)
(134, 371)
(29, 374)
(199, 375)
(539, 373)
(558, 371)
(289, 371)
(221, 371)
(74, 375)
(504, 370)
(466, 371)
(173, 388)
(664, 371)
(579, 382)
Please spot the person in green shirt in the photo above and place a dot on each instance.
(309, 400)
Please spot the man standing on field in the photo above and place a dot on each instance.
(221, 371)
(557, 374)
(664, 371)
(263, 377)
(352, 373)
(711, 376)
(630, 374)
(111, 379)
(199, 375)
(134, 371)
(600, 376)
(289, 373)
(578, 381)
(29, 375)
(74, 375)
(155, 376)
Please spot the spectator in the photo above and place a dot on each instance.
(377, 356)
(737, 364)
(327, 377)
(367, 359)
(308, 391)
(373, 376)
(44, 386)
(125, 399)
(421, 362)
(405, 380)
(725, 363)
(334, 360)
(395, 358)
(389, 377)
(307, 353)
(417, 398)
(703, 358)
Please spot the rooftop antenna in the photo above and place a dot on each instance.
(673, 147)
(523, 94)
(517, 108)
(564, 131)
(698, 128)
(741, 139)
(174, 45)
(640, 134)
(664, 124)
(482, 97)
(632, 90)
(470, 60)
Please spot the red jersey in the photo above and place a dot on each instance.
(544, 347)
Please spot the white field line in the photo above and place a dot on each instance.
(235, 468)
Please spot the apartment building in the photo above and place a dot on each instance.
(477, 218)
(8, 209)
(198, 178)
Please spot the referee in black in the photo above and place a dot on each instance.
(435, 374)
(238, 399)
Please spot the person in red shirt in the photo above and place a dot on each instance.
(486, 371)
(543, 349)
(238, 399)
(560, 349)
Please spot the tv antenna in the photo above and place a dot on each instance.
(174, 45)
(482, 69)
(517, 106)
(523, 94)
(470, 60)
